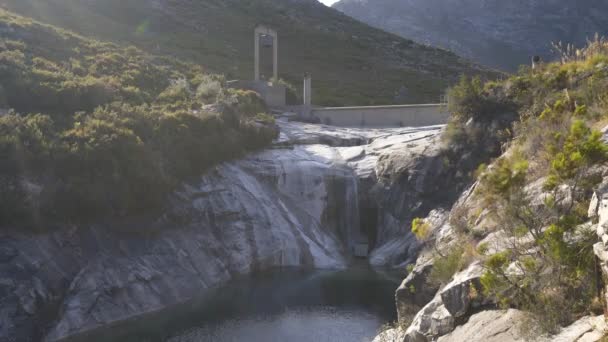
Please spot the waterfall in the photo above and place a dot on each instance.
(297, 204)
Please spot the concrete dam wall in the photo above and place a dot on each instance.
(384, 116)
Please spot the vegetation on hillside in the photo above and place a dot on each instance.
(537, 194)
(351, 63)
(99, 130)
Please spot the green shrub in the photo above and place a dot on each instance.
(482, 248)
(176, 93)
(209, 88)
(554, 273)
(245, 102)
(96, 156)
(119, 129)
(182, 137)
(572, 157)
(26, 143)
(470, 100)
(421, 229)
(507, 176)
(480, 126)
(446, 265)
(465, 98)
(265, 118)
(548, 269)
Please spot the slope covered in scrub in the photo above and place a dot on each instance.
(90, 128)
(351, 63)
(526, 220)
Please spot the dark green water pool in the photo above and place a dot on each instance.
(279, 305)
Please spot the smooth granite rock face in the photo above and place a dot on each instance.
(454, 301)
(296, 204)
(504, 326)
(459, 311)
(586, 329)
(457, 295)
(432, 321)
(488, 326)
(417, 290)
(414, 292)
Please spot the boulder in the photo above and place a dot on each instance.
(488, 326)
(417, 290)
(504, 326)
(464, 292)
(586, 329)
(432, 321)
(455, 302)
(414, 292)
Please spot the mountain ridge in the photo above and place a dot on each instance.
(351, 63)
(494, 33)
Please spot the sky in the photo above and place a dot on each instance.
(329, 2)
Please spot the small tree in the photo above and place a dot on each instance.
(421, 229)
(548, 268)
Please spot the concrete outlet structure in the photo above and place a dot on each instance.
(371, 116)
(307, 90)
(260, 31)
(273, 94)
(383, 116)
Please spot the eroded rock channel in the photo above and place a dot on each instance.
(318, 199)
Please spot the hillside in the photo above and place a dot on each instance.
(518, 256)
(351, 63)
(91, 129)
(500, 34)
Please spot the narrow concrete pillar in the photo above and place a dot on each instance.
(307, 90)
(256, 49)
(275, 57)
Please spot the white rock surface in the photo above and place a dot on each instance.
(432, 321)
(456, 295)
(586, 329)
(295, 204)
(390, 335)
(488, 326)
(455, 300)
(504, 326)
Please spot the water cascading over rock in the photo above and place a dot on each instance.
(297, 204)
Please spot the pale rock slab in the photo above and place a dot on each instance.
(488, 326)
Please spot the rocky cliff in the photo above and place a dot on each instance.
(301, 203)
(460, 310)
(502, 34)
